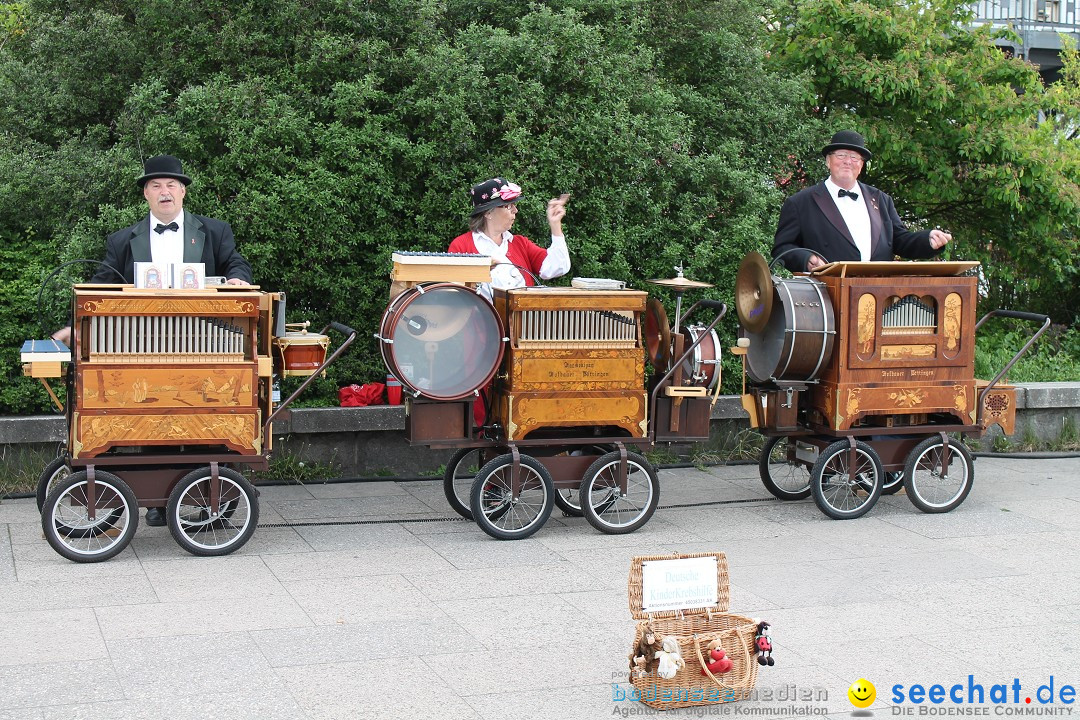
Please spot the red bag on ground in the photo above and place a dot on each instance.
(361, 395)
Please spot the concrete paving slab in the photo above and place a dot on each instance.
(239, 703)
(199, 617)
(37, 686)
(88, 592)
(360, 599)
(356, 563)
(362, 641)
(166, 668)
(375, 689)
(381, 617)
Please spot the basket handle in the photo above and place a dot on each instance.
(745, 681)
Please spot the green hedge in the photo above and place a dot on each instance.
(331, 133)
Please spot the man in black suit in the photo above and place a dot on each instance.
(842, 219)
(169, 234)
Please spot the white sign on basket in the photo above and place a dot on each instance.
(678, 584)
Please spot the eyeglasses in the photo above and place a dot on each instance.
(848, 157)
(512, 207)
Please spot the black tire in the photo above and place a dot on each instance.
(927, 488)
(50, 477)
(569, 501)
(841, 492)
(458, 478)
(67, 528)
(786, 480)
(605, 506)
(506, 518)
(206, 531)
(893, 482)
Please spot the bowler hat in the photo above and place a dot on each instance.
(163, 166)
(847, 140)
(493, 193)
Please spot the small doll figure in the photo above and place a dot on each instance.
(642, 658)
(763, 643)
(671, 661)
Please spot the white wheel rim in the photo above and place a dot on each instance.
(932, 486)
(609, 504)
(212, 528)
(514, 515)
(80, 534)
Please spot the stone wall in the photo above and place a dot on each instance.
(371, 441)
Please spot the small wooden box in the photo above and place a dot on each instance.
(692, 416)
(431, 421)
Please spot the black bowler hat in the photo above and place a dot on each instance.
(847, 140)
(493, 193)
(163, 166)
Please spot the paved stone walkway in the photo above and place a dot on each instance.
(385, 618)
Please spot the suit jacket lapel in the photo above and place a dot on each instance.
(194, 239)
(874, 208)
(828, 208)
(140, 241)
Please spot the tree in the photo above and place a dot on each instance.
(330, 134)
(956, 127)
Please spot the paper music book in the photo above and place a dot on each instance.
(441, 267)
(404, 257)
(45, 351)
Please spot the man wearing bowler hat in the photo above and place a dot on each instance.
(842, 219)
(169, 234)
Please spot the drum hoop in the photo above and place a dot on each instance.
(794, 330)
(699, 363)
(387, 350)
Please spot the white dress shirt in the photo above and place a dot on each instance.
(504, 275)
(168, 246)
(856, 216)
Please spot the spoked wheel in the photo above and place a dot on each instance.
(68, 527)
(893, 482)
(458, 479)
(606, 506)
(50, 477)
(931, 488)
(202, 529)
(785, 479)
(843, 492)
(503, 516)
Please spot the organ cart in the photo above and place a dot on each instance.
(542, 391)
(862, 374)
(169, 392)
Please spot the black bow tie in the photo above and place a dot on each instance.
(159, 228)
(839, 193)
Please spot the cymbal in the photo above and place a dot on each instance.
(680, 283)
(657, 335)
(754, 292)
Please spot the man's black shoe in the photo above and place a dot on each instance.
(155, 517)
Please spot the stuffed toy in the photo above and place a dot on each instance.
(718, 662)
(642, 657)
(763, 643)
(671, 661)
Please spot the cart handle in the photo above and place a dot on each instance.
(715, 305)
(344, 330)
(1017, 315)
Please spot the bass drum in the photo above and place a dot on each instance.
(705, 368)
(796, 343)
(441, 340)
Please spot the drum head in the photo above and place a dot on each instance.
(443, 341)
(704, 361)
(796, 343)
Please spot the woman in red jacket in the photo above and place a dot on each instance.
(516, 261)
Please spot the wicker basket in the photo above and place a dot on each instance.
(694, 629)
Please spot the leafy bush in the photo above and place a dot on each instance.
(331, 134)
(1054, 358)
